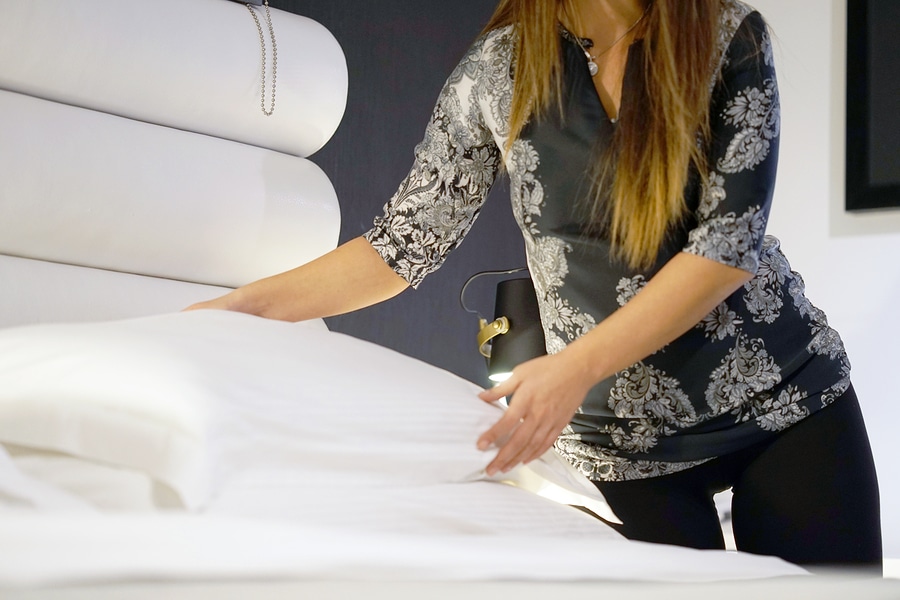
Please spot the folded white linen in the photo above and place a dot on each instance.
(50, 481)
(187, 65)
(87, 188)
(18, 490)
(204, 399)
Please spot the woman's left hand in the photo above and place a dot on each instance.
(548, 390)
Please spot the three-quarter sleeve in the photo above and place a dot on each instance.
(745, 124)
(455, 165)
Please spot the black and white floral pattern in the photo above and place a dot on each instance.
(747, 371)
(763, 296)
(628, 288)
(712, 196)
(759, 362)
(721, 323)
(755, 113)
(777, 414)
(547, 260)
(602, 464)
(730, 239)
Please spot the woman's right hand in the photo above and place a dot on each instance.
(348, 278)
(220, 303)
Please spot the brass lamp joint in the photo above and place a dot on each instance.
(488, 332)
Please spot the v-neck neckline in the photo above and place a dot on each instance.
(572, 39)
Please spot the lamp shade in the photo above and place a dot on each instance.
(516, 300)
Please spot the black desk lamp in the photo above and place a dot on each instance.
(515, 335)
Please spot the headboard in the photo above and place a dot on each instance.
(138, 176)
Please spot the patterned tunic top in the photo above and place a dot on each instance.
(761, 361)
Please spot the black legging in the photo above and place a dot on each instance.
(810, 496)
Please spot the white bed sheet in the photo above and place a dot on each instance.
(790, 588)
(314, 455)
(285, 525)
(198, 400)
(54, 549)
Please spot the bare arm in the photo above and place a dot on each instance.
(549, 389)
(348, 278)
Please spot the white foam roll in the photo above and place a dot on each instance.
(190, 64)
(87, 188)
(34, 291)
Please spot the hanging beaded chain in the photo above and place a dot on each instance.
(262, 45)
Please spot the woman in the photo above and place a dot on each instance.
(683, 357)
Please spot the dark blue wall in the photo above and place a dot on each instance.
(399, 52)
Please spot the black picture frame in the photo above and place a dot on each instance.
(873, 139)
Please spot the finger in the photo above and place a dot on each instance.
(512, 451)
(498, 391)
(541, 447)
(498, 434)
(544, 436)
(540, 440)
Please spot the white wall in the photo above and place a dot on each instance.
(851, 262)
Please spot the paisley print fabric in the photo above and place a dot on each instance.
(761, 361)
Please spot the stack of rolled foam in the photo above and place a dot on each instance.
(132, 137)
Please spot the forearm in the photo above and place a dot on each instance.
(684, 291)
(348, 278)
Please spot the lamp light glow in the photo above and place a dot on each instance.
(524, 339)
(500, 377)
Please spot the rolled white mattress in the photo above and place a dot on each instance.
(35, 291)
(192, 65)
(92, 189)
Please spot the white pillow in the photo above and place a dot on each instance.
(194, 399)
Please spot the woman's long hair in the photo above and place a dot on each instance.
(648, 165)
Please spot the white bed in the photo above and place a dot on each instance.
(146, 452)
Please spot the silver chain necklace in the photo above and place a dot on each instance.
(587, 43)
(262, 45)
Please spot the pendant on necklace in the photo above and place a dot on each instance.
(592, 66)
